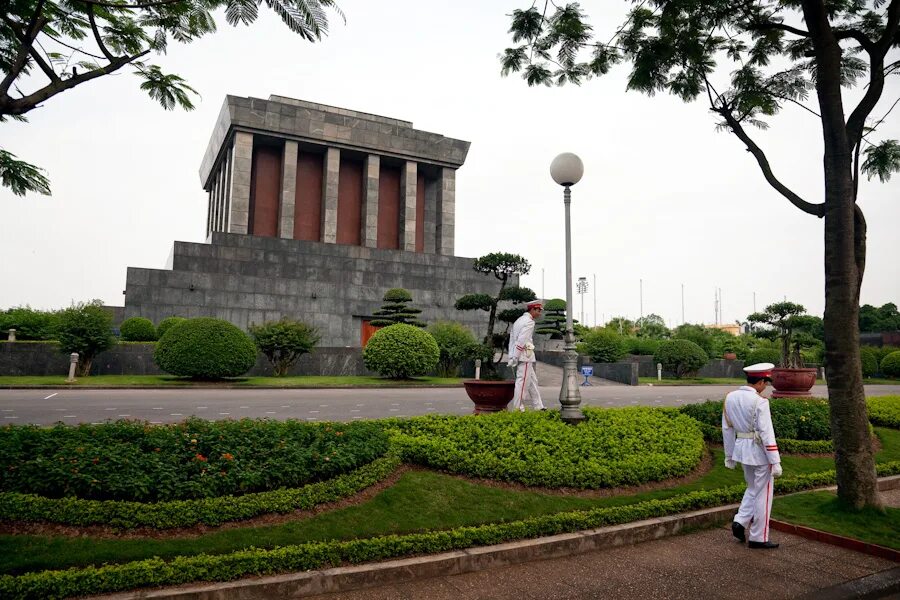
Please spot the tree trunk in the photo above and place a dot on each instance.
(844, 266)
(83, 369)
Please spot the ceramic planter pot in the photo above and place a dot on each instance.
(793, 383)
(489, 396)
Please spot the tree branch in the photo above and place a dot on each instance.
(26, 38)
(22, 105)
(817, 210)
(85, 52)
(843, 34)
(859, 246)
(772, 25)
(126, 6)
(97, 36)
(47, 69)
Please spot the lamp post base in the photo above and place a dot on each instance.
(570, 394)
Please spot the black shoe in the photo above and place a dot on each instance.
(737, 530)
(763, 545)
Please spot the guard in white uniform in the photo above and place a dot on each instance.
(521, 358)
(749, 439)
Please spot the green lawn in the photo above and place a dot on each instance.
(736, 381)
(823, 511)
(311, 381)
(419, 501)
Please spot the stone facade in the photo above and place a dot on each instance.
(250, 279)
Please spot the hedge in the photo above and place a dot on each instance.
(612, 447)
(205, 348)
(682, 357)
(138, 329)
(186, 513)
(884, 411)
(890, 364)
(401, 351)
(319, 555)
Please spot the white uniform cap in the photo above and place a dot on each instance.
(759, 370)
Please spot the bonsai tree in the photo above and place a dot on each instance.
(85, 328)
(784, 318)
(502, 266)
(553, 322)
(284, 342)
(395, 310)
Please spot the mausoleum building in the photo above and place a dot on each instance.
(313, 213)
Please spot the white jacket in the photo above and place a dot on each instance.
(521, 346)
(747, 431)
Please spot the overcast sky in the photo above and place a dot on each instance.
(665, 199)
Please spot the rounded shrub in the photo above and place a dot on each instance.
(680, 356)
(455, 343)
(167, 324)
(764, 355)
(890, 365)
(639, 345)
(205, 348)
(869, 359)
(138, 329)
(603, 345)
(401, 351)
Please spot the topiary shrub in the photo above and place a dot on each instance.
(167, 324)
(603, 345)
(682, 357)
(638, 345)
(205, 348)
(763, 355)
(890, 365)
(884, 351)
(401, 351)
(869, 359)
(138, 329)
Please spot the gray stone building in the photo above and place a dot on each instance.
(314, 212)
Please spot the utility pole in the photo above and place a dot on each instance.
(595, 300)
(543, 297)
(582, 287)
(682, 304)
(642, 299)
(754, 301)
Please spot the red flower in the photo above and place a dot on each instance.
(228, 456)
(200, 458)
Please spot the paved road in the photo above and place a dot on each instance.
(71, 406)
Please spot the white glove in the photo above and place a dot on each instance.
(730, 464)
(777, 470)
(512, 362)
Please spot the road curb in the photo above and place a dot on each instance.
(226, 387)
(344, 579)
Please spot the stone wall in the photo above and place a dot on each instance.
(251, 280)
(44, 358)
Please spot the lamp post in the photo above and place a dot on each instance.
(566, 170)
(582, 287)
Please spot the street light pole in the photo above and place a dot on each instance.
(566, 170)
(582, 287)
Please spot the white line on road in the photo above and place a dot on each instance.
(124, 415)
(285, 406)
(311, 419)
(243, 407)
(157, 408)
(107, 409)
(270, 412)
(323, 406)
(8, 410)
(70, 416)
(10, 417)
(313, 411)
(176, 415)
(354, 410)
(51, 395)
(224, 414)
(202, 407)
(156, 422)
(96, 423)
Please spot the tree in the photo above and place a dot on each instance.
(502, 266)
(621, 325)
(455, 343)
(72, 42)
(876, 320)
(778, 52)
(652, 326)
(785, 317)
(395, 310)
(85, 328)
(553, 321)
(284, 342)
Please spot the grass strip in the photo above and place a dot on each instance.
(823, 511)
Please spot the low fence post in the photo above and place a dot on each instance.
(12, 336)
(659, 371)
(477, 368)
(73, 361)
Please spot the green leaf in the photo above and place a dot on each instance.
(21, 177)
(168, 90)
(882, 160)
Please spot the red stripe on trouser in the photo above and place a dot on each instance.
(522, 391)
(768, 493)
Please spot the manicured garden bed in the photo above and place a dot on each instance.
(306, 381)
(426, 511)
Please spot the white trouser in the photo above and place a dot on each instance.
(526, 387)
(757, 503)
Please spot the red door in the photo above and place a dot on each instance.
(368, 330)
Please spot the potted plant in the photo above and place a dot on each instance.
(790, 378)
(491, 393)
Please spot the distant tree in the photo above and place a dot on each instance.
(802, 53)
(85, 328)
(876, 320)
(699, 334)
(652, 326)
(621, 325)
(48, 47)
(396, 309)
(284, 342)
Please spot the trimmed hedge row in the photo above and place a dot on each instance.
(612, 447)
(885, 411)
(186, 513)
(318, 555)
(135, 461)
